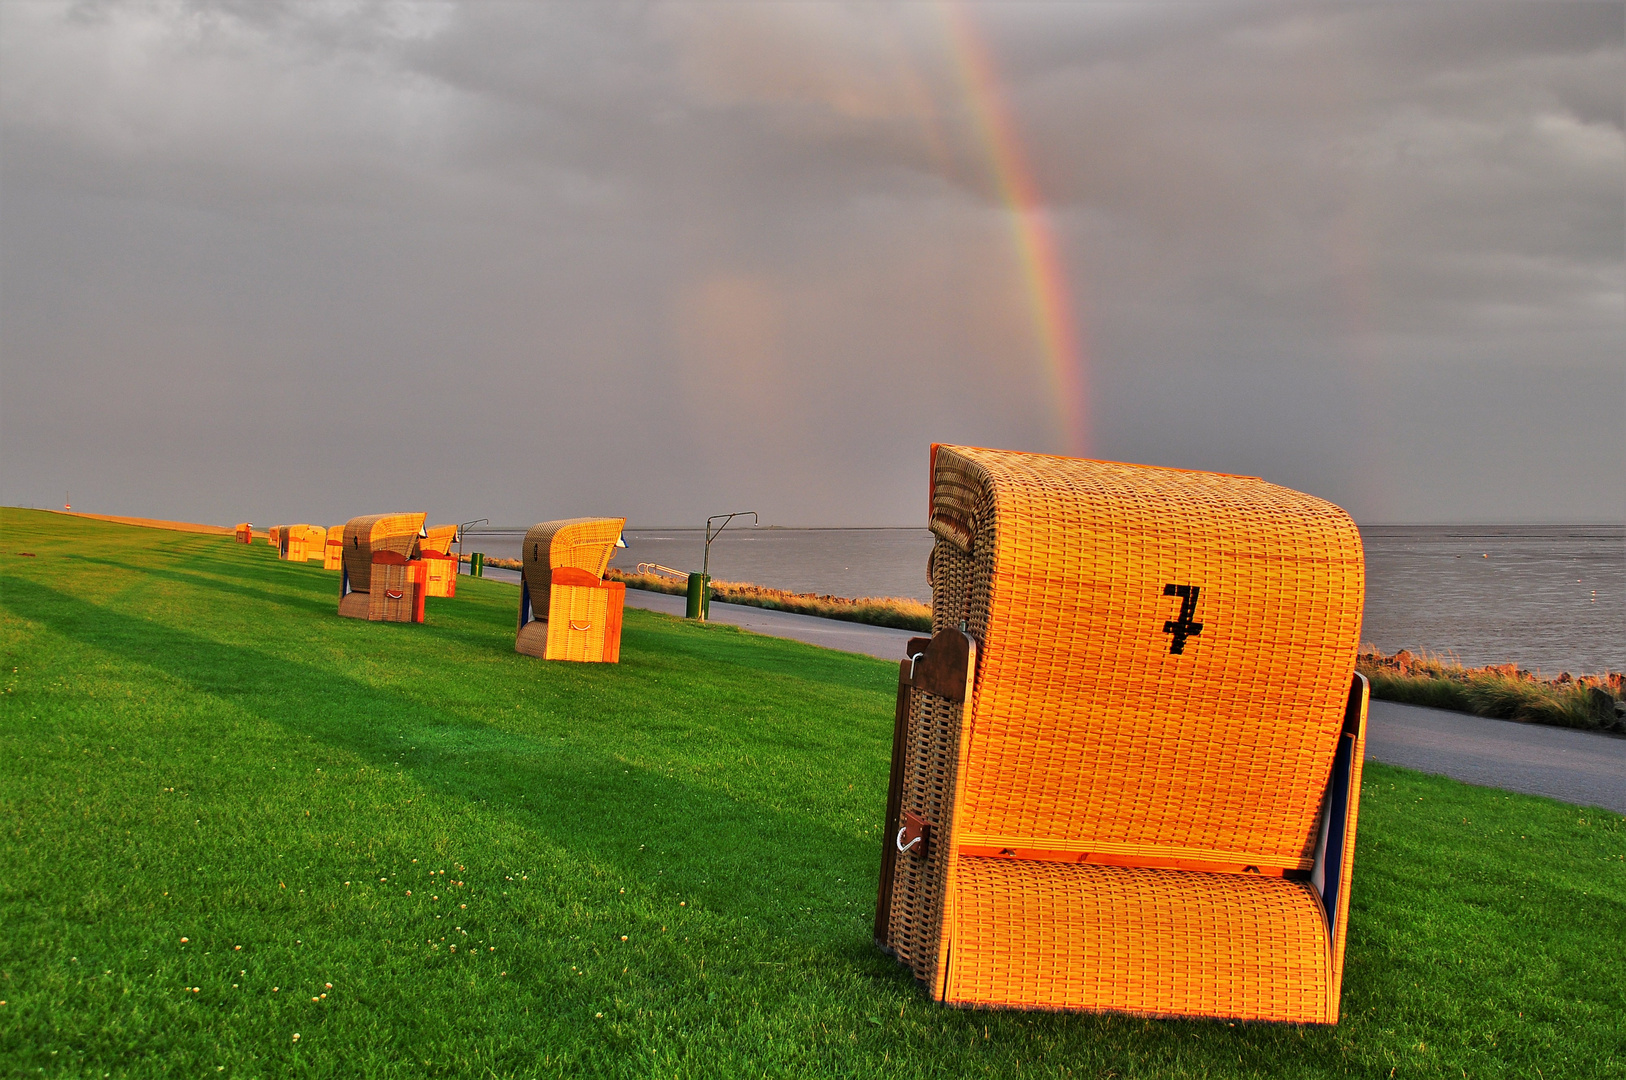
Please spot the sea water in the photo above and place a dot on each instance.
(1545, 597)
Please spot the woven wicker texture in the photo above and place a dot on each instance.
(287, 535)
(439, 539)
(1167, 942)
(586, 622)
(296, 542)
(1123, 814)
(333, 549)
(1093, 733)
(585, 543)
(441, 571)
(398, 590)
(365, 536)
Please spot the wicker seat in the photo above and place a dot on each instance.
(440, 565)
(244, 532)
(382, 578)
(1126, 765)
(577, 614)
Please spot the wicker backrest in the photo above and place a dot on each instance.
(439, 539)
(363, 536)
(585, 543)
(1164, 657)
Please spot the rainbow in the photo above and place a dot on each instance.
(1044, 272)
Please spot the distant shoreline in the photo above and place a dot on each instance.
(1502, 692)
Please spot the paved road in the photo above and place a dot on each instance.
(878, 641)
(1574, 766)
(833, 634)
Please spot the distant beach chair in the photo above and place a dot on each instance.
(333, 549)
(301, 542)
(577, 614)
(273, 536)
(245, 532)
(439, 562)
(382, 577)
(1126, 766)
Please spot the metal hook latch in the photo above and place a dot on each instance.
(913, 660)
(914, 830)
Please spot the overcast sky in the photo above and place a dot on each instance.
(297, 262)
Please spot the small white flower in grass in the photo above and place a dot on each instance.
(328, 985)
(296, 1036)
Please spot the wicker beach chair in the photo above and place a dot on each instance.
(273, 536)
(440, 565)
(244, 532)
(300, 542)
(333, 549)
(382, 577)
(1126, 766)
(577, 614)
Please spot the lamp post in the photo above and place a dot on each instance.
(699, 600)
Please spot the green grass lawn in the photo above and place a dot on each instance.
(218, 798)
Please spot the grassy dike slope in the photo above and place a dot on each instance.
(217, 798)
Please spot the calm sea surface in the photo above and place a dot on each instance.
(1545, 597)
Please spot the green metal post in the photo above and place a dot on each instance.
(699, 605)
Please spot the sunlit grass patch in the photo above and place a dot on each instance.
(222, 802)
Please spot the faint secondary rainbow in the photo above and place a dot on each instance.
(1044, 272)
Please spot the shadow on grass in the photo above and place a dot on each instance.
(580, 795)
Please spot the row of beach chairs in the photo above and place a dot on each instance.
(390, 563)
(1126, 764)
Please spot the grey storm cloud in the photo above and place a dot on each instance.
(519, 261)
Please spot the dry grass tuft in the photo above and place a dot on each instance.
(1501, 692)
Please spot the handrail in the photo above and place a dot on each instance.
(657, 568)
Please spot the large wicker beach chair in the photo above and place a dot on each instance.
(273, 536)
(1126, 766)
(245, 532)
(382, 578)
(440, 565)
(333, 549)
(577, 614)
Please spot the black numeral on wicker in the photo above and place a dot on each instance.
(1182, 627)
